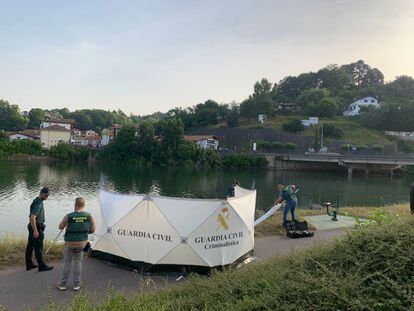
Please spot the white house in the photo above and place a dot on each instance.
(310, 121)
(66, 123)
(52, 135)
(355, 107)
(106, 137)
(203, 141)
(26, 134)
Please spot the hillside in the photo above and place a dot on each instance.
(249, 131)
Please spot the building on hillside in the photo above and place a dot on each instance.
(93, 141)
(26, 134)
(286, 106)
(106, 137)
(203, 141)
(262, 118)
(90, 133)
(66, 123)
(115, 129)
(52, 135)
(311, 121)
(402, 135)
(76, 132)
(355, 107)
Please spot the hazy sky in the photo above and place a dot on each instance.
(147, 56)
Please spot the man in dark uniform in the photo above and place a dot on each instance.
(36, 236)
(287, 195)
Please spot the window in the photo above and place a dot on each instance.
(365, 100)
(372, 100)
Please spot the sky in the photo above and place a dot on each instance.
(148, 56)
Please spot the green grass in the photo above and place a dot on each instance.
(273, 225)
(354, 133)
(12, 251)
(369, 269)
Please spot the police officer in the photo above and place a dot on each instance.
(287, 195)
(231, 190)
(78, 225)
(36, 236)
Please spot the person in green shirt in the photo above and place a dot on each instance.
(78, 225)
(36, 236)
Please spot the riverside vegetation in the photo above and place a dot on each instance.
(369, 269)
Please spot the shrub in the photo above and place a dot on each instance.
(290, 146)
(361, 147)
(263, 145)
(346, 147)
(330, 130)
(68, 152)
(277, 145)
(293, 126)
(378, 147)
(238, 160)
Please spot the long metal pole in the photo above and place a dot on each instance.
(53, 242)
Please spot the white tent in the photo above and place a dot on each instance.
(166, 230)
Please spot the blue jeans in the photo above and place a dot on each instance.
(289, 206)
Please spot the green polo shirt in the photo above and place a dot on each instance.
(36, 208)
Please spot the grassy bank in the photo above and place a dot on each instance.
(369, 269)
(12, 248)
(12, 251)
(273, 225)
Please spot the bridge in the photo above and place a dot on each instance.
(320, 161)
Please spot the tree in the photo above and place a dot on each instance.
(362, 75)
(36, 117)
(146, 145)
(172, 136)
(311, 97)
(325, 108)
(233, 116)
(293, 126)
(10, 117)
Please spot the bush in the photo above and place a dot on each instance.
(23, 146)
(378, 147)
(238, 160)
(263, 145)
(66, 152)
(330, 130)
(346, 147)
(293, 126)
(277, 145)
(290, 146)
(361, 147)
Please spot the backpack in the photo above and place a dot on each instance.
(297, 229)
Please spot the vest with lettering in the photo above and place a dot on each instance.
(288, 194)
(79, 224)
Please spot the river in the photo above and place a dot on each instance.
(20, 182)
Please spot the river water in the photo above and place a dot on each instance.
(20, 182)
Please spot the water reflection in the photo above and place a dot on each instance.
(21, 181)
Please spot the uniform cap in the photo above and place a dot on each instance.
(45, 190)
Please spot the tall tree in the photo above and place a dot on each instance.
(36, 117)
(10, 117)
(172, 136)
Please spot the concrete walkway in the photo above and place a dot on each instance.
(20, 288)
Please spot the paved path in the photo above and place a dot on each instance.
(20, 288)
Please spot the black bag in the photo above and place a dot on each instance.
(297, 229)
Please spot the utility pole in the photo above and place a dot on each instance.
(321, 135)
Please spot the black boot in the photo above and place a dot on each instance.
(45, 267)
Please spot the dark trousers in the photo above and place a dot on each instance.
(35, 245)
